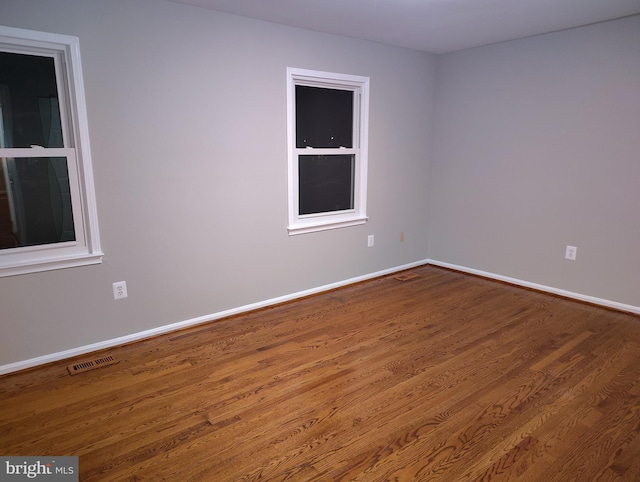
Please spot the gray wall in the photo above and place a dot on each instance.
(187, 118)
(537, 146)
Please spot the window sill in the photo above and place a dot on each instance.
(312, 227)
(50, 263)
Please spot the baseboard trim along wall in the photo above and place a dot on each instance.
(82, 350)
(538, 287)
(53, 357)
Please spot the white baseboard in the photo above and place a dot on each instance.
(53, 357)
(538, 287)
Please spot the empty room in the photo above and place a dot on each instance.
(320, 240)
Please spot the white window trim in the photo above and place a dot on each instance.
(85, 250)
(300, 224)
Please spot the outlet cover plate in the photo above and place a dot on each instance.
(571, 252)
(119, 290)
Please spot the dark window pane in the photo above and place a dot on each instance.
(324, 117)
(325, 183)
(38, 207)
(29, 101)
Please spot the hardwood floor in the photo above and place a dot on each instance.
(442, 377)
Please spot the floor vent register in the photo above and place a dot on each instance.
(86, 365)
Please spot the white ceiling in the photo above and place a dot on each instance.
(436, 26)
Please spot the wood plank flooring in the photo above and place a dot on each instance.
(442, 377)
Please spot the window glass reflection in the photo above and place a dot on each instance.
(324, 117)
(29, 110)
(326, 183)
(35, 202)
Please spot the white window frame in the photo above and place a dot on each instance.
(359, 85)
(85, 250)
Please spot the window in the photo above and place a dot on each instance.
(328, 124)
(48, 215)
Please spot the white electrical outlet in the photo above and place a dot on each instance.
(370, 241)
(119, 290)
(571, 252)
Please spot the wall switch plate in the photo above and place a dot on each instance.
(119, 290)
(571, 252)
(370, 241)
(402, 236)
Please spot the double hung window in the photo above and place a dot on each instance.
(328, 123)
(47, 204)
